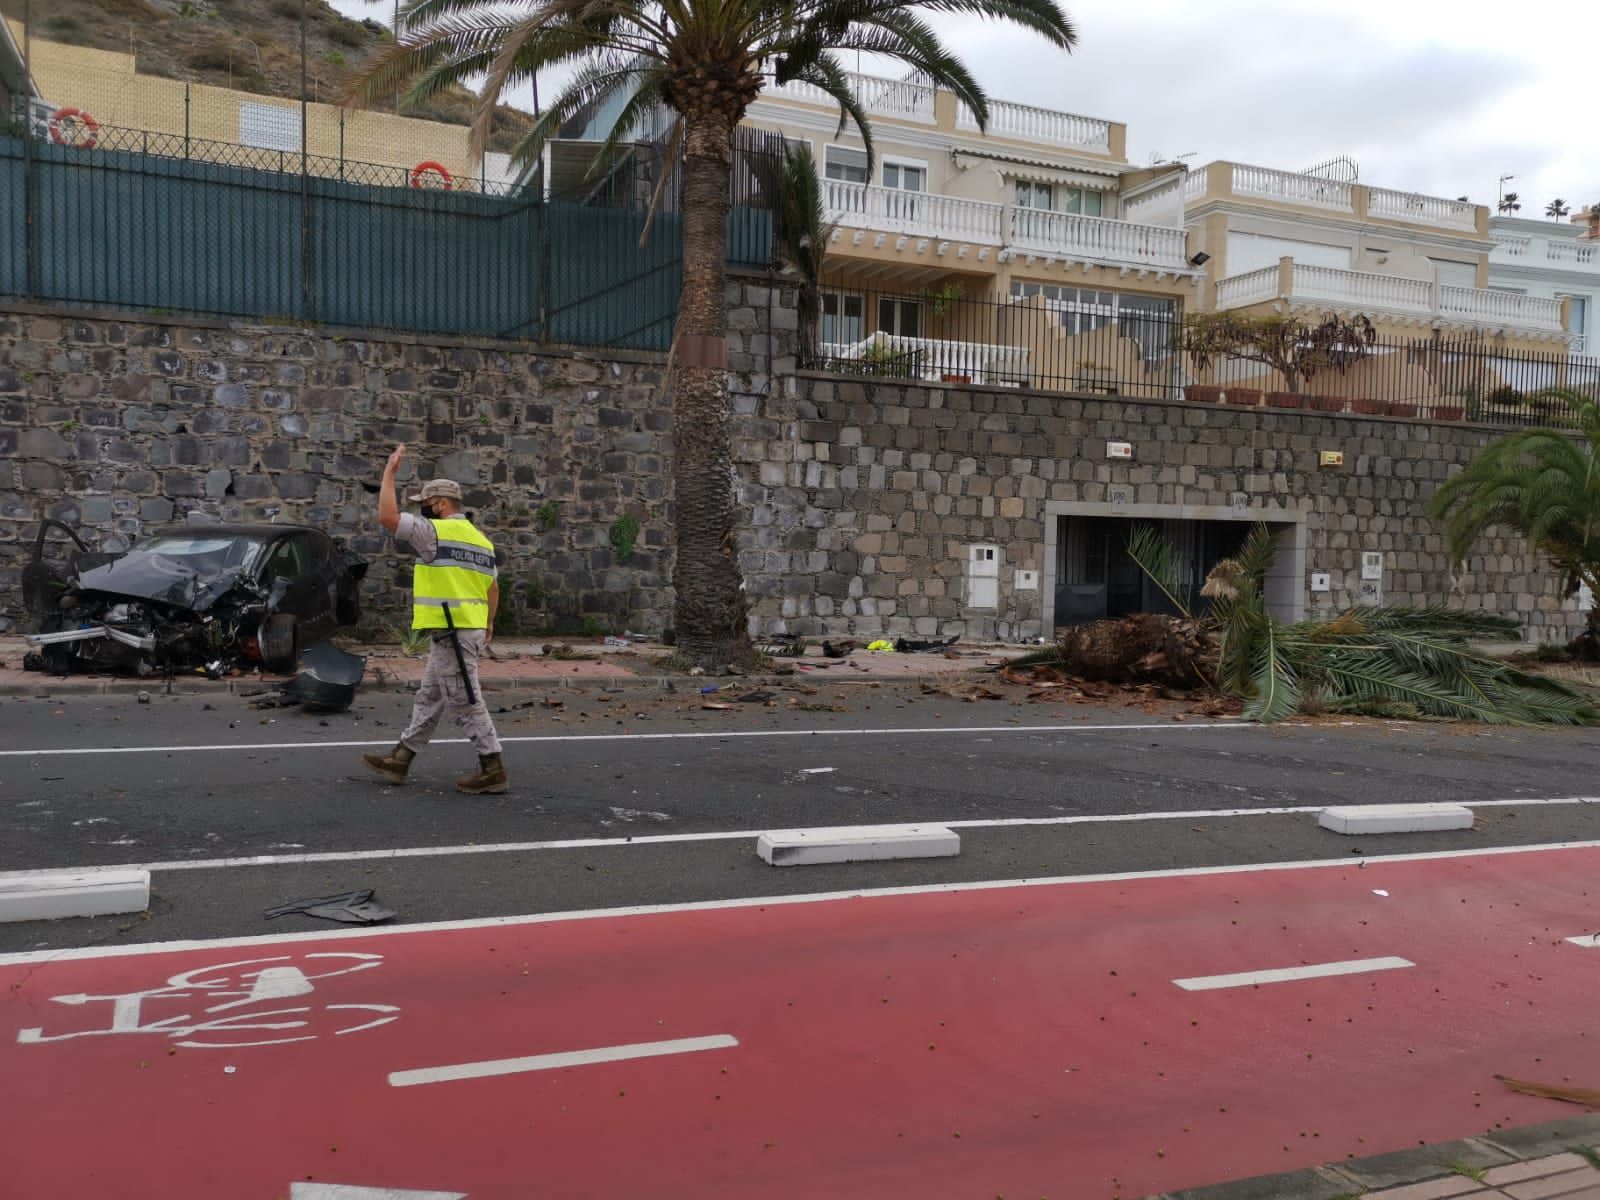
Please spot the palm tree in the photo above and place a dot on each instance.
(1557, 209)
(706, 61)
(1542, 483)
(800, 228)
(1510, 203)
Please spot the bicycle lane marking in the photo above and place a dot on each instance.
(1041, 1025)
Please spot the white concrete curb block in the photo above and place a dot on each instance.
(46, 895)
(856, 843)
(1395, 818)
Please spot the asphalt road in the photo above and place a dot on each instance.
(663, 797)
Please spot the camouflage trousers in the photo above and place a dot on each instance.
(441, 692)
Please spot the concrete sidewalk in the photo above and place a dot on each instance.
(1552, 1161)
(522, 662)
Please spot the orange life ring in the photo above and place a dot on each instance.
(91, 128)
(423, 169)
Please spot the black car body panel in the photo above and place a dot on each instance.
(197, 597)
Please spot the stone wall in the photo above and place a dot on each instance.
(864, 498)
(122, 425)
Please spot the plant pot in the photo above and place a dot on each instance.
(1330, 404)
(1285, 400)
(955, 379)
(1449, 413)
(1370, 408)
(1402, 408)
(1203, 393)
(1242, 397)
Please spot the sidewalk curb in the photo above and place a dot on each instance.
(1355, 1177)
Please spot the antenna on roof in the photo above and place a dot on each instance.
(1341, 169)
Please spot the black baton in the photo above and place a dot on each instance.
(461, 659)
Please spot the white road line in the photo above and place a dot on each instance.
(1589, 941)
(590, 843)
(73, 954)
(568, 1058)
(1353, 966)
(695, 735)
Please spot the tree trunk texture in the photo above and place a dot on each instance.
(711, 613)
(1143, 648)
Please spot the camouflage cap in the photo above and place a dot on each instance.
(448, 488)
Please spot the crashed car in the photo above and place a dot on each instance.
(190, 598)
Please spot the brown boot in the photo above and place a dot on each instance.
(491, 778)
(394, 765)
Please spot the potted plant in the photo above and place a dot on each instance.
(1329, 404)
(1285, 400)
(1369, 408)
(1243, 397)
(1203, 393)
(1449, 412)
(1402, 408)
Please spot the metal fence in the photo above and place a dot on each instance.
(1034, 342)
(178, 225)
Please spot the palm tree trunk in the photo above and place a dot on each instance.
(711, 613)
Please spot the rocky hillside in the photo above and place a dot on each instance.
(251, 45)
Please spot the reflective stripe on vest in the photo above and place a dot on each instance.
(460, 574)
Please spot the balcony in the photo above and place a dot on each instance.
(1020, 230)
(905, 99)
(1564, 253)
(1043, 126)
(1223, 180)
(932, 359)
(1361, 291)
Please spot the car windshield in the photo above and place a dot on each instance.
(206, 555)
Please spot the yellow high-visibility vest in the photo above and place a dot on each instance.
(460, 574)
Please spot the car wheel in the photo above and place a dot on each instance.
(280, 643)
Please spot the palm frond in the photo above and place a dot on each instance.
(1157, 557)
(1274, 686)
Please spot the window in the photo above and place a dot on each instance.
(845, 165)
(903, 318)
(269, 126)
(905, 177)
(1034, 195)
(841, 318)
(1577, 312)
(1083, 200)
(1148, 320)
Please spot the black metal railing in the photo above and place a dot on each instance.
(1131, 347)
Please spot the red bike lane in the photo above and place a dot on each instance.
(1005, 1040)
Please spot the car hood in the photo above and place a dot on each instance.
(145, 576)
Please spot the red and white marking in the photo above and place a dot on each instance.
(953, 1042)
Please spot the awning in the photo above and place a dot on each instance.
(1039, 170)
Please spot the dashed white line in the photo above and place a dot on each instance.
(1352, 966)
(568, 1058)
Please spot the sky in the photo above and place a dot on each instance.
(1435, 96)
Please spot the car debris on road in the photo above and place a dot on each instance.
(206, 598)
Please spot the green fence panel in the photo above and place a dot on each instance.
(13, 219)
(439, 262)
(607, 288)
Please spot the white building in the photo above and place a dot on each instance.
(1551, 260)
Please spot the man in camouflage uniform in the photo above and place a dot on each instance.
(454, 582)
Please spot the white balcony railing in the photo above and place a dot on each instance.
(1289, 188)
(1583, 254)
(1195, 184)
(933, 359)
(1038, 231)
(922, 214)
(1045, 125)
(1505, 308)
(1252, 287)
(1424, 210)
(1508, 245)
(908, 99)
(1363, 291)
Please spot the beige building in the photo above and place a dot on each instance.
(1085, 258)
(131, 108)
